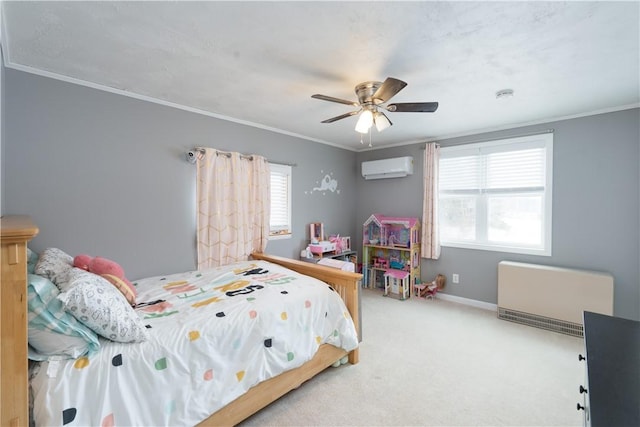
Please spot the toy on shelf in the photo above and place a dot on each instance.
(322, 247)
(316, 232)
(381, 263)
(396, 262)
(343, 243)
(335, 247)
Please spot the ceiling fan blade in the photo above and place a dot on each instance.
(332, 99)
(343, 116)
(387, 90)
(413, 107)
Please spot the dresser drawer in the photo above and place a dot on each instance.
(612, 363)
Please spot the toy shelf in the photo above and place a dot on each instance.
(391, 245)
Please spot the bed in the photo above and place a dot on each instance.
(259, 283)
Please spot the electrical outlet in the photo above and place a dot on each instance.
(456, 278)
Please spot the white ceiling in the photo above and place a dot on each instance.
(259, 62)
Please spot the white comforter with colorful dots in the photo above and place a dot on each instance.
(213, 335)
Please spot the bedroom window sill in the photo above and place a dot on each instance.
(499, 248)
(280, 236)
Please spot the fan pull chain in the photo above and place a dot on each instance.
(362, 141)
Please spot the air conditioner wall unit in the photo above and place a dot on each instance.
(388, 168)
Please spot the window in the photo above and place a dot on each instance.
(280, 223)
(497, 195)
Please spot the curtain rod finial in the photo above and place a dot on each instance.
(191, 156)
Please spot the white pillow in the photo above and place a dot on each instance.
(54, 264)
(49, 343)
(99, 305)
(74, 276)
(53, 331)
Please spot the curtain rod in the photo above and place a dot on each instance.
(496, 139)
(228, 154)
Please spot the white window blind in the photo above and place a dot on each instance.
(496, 195)
(280, 222)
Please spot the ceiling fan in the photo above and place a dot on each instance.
(371, 97)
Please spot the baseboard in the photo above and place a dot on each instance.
(467, 301)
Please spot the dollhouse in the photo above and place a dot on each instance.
(391, 254)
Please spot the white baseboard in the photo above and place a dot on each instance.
(467, 301)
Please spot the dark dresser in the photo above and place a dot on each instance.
(612, 393)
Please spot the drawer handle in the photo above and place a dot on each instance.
(582, 390)
(580, 407)
(581, 357)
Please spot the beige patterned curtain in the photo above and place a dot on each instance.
(233, 207)
(430, 230)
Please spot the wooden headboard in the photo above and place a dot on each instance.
(14, 397)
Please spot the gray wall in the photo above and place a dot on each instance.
(596, 215)
(1, 132)
(105, 174)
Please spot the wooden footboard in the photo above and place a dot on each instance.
(347, 285)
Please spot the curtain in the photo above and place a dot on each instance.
(430, 245)
(233, 199)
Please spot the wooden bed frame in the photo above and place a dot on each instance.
(17, 231)
(347, 285)
(14, 386)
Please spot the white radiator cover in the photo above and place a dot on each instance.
(552, 297)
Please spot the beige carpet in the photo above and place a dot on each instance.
(439, 363)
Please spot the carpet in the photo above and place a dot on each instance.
(440, 363)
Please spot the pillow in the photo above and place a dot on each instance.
(52, 331)
(49, 344)
(54, 264)
(125, 289)
(41, 287)
(77, 276)
(74, 277)
(100, 306)
(32, 259)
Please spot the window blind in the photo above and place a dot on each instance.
(496, 195)
(280, 222)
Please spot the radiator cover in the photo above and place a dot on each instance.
(562, 326)
(550, 297)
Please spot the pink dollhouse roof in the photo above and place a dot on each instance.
(382, 220)
(398, 274)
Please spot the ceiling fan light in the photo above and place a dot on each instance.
(382, 122)
(364, 122)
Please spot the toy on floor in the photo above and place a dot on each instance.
(430, 290)
(396, 283)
